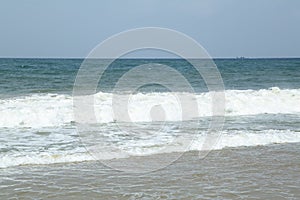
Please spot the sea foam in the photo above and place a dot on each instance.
(48, 110)
(227, 139)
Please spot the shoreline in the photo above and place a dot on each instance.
(230, 173)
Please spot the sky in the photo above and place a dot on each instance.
(225, 28)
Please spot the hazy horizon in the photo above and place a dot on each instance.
(226, 29)
(237, 57)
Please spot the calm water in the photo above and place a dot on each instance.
(38, 130)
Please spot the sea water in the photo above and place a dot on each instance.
(37, 124)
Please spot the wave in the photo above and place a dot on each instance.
(42, 159)
(48, 110)
(228, 139)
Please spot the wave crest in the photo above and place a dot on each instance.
(50, 110)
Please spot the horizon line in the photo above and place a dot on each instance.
(82, 58)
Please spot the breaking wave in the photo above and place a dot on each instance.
(48, 110)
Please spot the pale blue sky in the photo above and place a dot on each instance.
(226, 28)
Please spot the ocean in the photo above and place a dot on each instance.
(43, 155)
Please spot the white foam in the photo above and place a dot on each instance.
(250, 138)
(42, 159)
(271, 101)
(56, 110)
(130, 148)
(36, 111)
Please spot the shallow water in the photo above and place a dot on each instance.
(261, 172)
